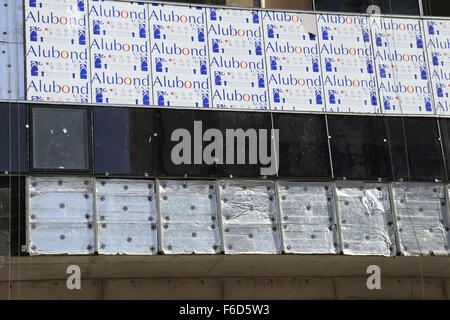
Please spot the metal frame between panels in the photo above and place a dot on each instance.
(262, 25)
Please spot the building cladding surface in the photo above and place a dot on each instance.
(93, 91)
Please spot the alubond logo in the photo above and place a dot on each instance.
(233, 95)
(117, 79)
(290, 80)
(229, 30)
(389, 24)
(51, 18)
(338, 19)
(233, 63)
(275, 47)
(56, 87)
(174, 49)
(114, 12)
(343, 50)
(282, 17)
(177, 82)
(115, 45)
(172, 16)
(54, 53)
(400, 87)
(234, 144)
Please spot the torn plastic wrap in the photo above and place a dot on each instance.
(127, 217)
(189, 217)
(367, 225)
(249, 216)
(60, 215)
(308, 217)
(422, 218)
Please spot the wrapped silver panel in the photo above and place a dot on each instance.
(127, 217)
(308, 217)
(249, 215)
(60, 215)
(11, 21)
(189, 217)
(367, 226)
(12, 76)
(422, 218)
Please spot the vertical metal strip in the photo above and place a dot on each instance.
(338, 219)
(94, 205)
(158, 212)
(427, 63)
(25, 65)
(280, 224)
(219, 214)
(394, 218)
(27, 214)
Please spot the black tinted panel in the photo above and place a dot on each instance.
(303, 145)
(397, 148)
(424, 149)
(125, 141)
(359, 147)
(60, 139)
(13, 137)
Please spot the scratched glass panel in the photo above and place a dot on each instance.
(292, 57)
(237, 59)
(120, 52)
(125, 141)
(398, 151)
(57, 50)
(424, 149)
(303, 145)
(437, 37)
(347, 64)
(180, 53)
(403, 79)
(444, 126)
(359, 147)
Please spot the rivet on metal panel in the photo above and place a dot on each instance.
(125, 208)
(167, 218)
(305, 188)
(33, 226)
(154, 226)
(211, 187)
(344, 221)
(192, 207)
(194, 234)
(420, 210)
(60, 183)
(442, 203)
(163, 186)
(346, 245)
(102, 246)
(86, 182)
(272, 219)
(104, 225)
(150, 198)
(102, 183)
(346, 203)
(210, 196)
(185, 185)
(244, 188)
(213, 226)
(230, 247)
(102, 218)
(308, 207)
(102, 198)
(86, 196)
(225, 200)
(89, 247)
(400, 229)
(150, 185)
(152, 249)
(169, 247)
(227, 217)
(250, 236)
(33, 247)
(129, 239)
(33, 217)
(34, 184)
(166, 226)
(431, 230)
(283, 198)
(366, 237)
(125, 187)
(285, 217)
(213, 218)
(215, 247)
(435, 190)
(284, 226)
(164, 197)
(379, 188)
(330, 228)
(89, 225)
(271, 198)
(227, 229)
(150, 218)
(287, 187)
(62, 237)
(274, 228)
(288, 247)
(313, 236)
(251, 208)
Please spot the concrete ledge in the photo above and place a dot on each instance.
(198, 266)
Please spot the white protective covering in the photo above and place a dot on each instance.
(422, 218)
(308, 217)
(60, 215)
(189, 217)
(249, 215)
(367, 225)
(127, 218)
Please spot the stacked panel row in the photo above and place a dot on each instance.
(76, 215)
(131, 53)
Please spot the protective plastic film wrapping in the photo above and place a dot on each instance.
(5, 216)
(367, 225)
(308, 217)
(60, 215)
(422, 218)
(127, 217)
(189, 217)
(249, 216)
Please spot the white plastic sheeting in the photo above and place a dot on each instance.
(189, 217)
(422, 218)
(126, 216)
(249, 216)
(60, 215)
(367, 224)
(5, 220)
(308, 217)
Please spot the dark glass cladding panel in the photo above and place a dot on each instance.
(444, 125)
(361, 6)
(358, 147)
(424, 149)
(303, 145)
(125, 141)
(60, 139)
(397, 147)
(175, 160)
(13, 137)
(12, 215)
